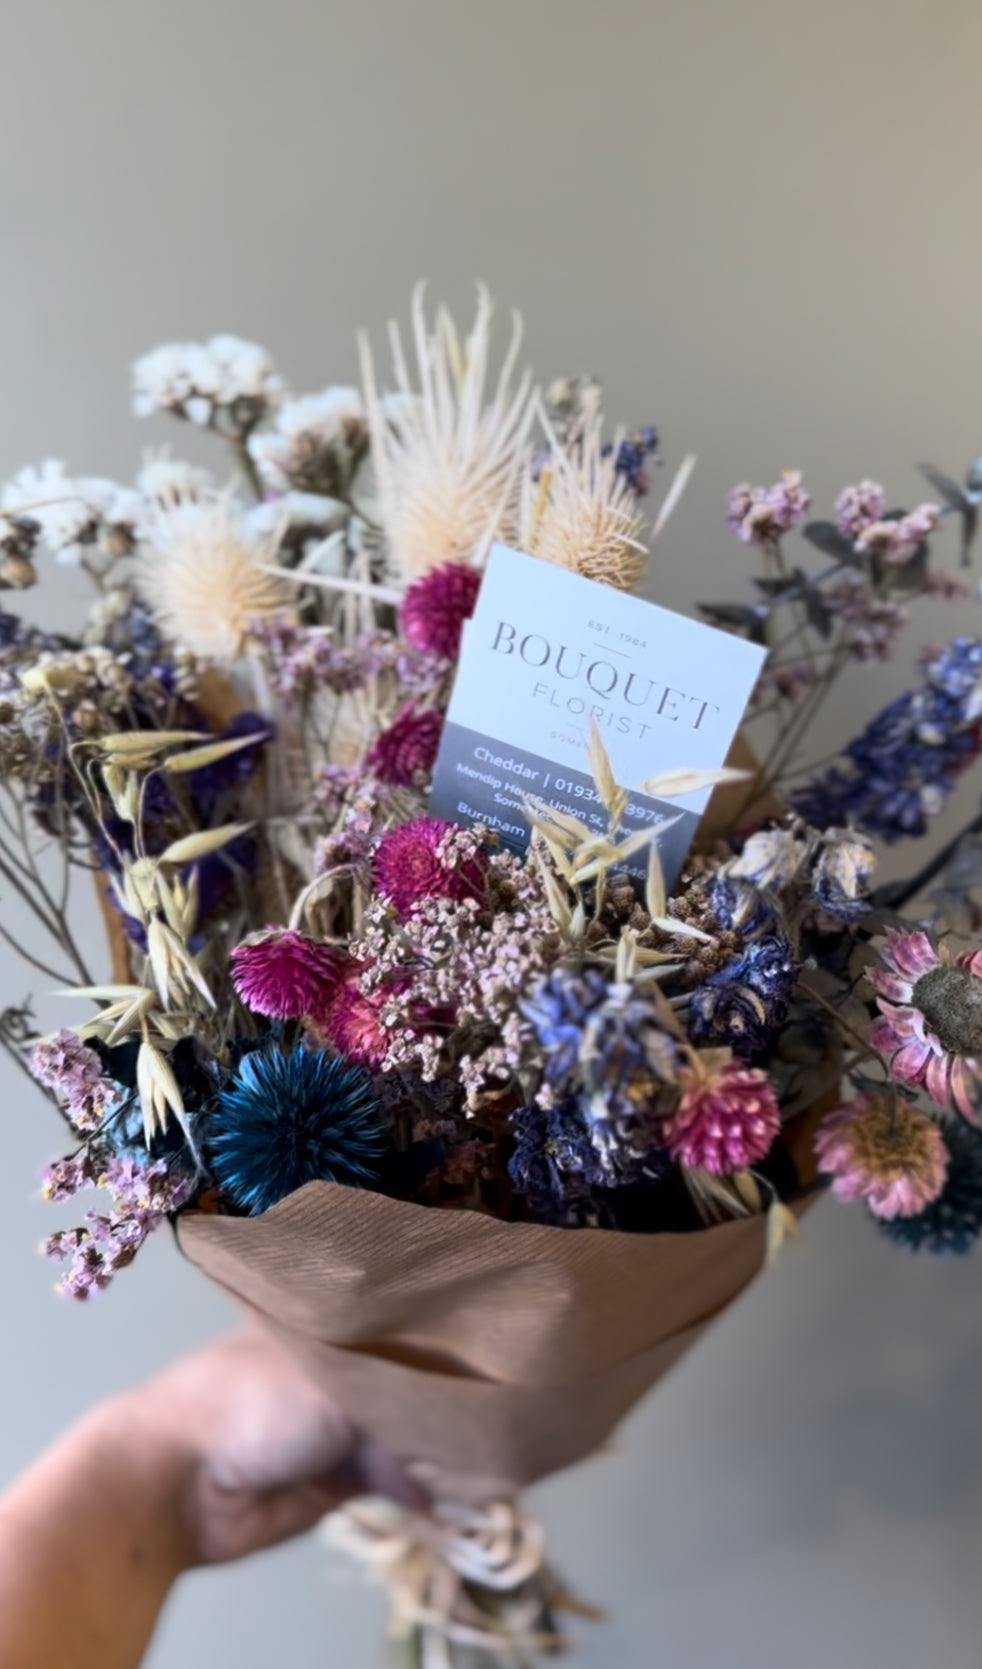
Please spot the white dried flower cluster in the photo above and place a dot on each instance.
(225, 383)
(165, 481)
(316, 443)
(76, 515)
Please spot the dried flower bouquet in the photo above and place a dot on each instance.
(469, 1127)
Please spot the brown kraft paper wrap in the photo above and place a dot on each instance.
(491, 1352)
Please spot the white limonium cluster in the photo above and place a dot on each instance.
(77, 516)
(225, 383)
(315, 445)
(165, 481)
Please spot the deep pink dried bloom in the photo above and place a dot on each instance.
(351, 1022)
(75, 1074)
(405, 754)
(759, 515)
(931, 1020)
(284, 974)
(435, 607)
(727, 1119)
(884, 1150)
(856, 507)
(416, 861)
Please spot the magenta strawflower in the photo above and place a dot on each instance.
(931, 1019)
(404, 755)
(727, 1118)
(884, 1150)
(283, 974)
(435, 607)
(427, 859)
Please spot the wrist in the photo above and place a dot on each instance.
(144, 1471)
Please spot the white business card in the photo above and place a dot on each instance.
(546, 651)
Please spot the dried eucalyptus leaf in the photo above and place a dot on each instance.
(825, 537)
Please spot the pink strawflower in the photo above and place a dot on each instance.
(350, 1021)
(884, 1150)
(727, 1118)
(856, 507)
(404, 755)
(74, 1073)
(284, 974)
(428, 859)
(896, 542)
(931, 1019)
(759, 515)
(435, 607)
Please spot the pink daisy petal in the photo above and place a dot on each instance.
(965, 1088)
(910, 953)
(894, 986)
(911, 1061)
(935, 1079)
(970, 959)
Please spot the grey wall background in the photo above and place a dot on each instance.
(758, 222)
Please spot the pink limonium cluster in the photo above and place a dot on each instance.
(884, 1150)
(284, 974)
(875, 623)
(436, 606)
(727, 1117)
(898, 541)
(857, 507)
(930, 1029)
(404, 755)
(759, 515)
(74, 1074)
(144, 1196)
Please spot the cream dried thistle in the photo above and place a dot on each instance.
(206, 579)
(448, 459)
(580, 512)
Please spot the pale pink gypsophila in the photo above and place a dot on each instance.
(727, 1118)
(885, 1151)
(284, 974)
(930, 1028)
(74, 1073)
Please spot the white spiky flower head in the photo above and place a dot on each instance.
(204, 572)
(580, 512)
(448, 456)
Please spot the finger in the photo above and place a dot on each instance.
(383, 1473)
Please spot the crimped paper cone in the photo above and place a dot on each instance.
(493, 1352)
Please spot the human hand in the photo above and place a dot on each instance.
(253, 1452)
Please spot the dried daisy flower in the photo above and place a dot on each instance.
(205, 578)
(315, 445)
(447, 469)
(579, 511)
(884, 1150)
(931, 1019)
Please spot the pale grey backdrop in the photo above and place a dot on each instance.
(759, 223)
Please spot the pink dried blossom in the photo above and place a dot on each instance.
(759, 515)
(727, 1118)
(938, 583)
(856, 507)
(425, 859)
(403, 756)
(435, 607)
(74, 1073)
(351, 1022)
(65, 1178)
(884, 1150)
(897, 542)
(284, 974)
(931, 1020)
(876, 622)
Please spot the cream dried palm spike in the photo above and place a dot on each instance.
(578, 512)
(449, 455)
